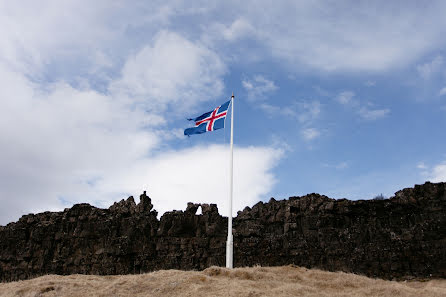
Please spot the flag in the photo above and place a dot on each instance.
(209, 121)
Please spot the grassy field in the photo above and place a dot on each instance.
(216, 281)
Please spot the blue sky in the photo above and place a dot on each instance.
(342, 98)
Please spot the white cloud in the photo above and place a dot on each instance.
(77, 38)
(345, 97)
(274, 110)
(270, 110)
(365, 111)
(421, 165)
(439, 173)
(305, 112)
(34, 35)
(171, 71)
(310, 133)
(258, 87)
(281, 144)
(442, 91)
(342, 165)
(428, 69)
(201, 174)
(370, 83)
(238, 29)
(327, 37)
(308, 111)
(373, 114)
(359, 37)
(228, 35)
(322, 92)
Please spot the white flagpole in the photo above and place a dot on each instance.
(230, 243)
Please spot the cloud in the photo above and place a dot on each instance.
(421, 165)
(76, 38)
(436, 173)
(428, 69)
(238, 29)
(342, 165)
(365, 111)
(373, 114)
(320, 91)
(345, 37)
(345, 97)
(71, 37)
(173, 70)
(442, 91)
(274, 110)
(258, 87)
(201, 174)
(305, 112)
(339, 166)
(308, 111)
(325, 37)
(310, 133)
(439, 173)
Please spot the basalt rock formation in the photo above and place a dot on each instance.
(400, 237)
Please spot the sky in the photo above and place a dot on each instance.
(342, 98)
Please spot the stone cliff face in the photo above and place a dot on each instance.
(404, 236)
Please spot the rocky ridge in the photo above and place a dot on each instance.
(400, 237)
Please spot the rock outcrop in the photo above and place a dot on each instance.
(400, 237)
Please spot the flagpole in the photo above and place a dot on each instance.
(230, 243)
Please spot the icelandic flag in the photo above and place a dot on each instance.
(209, 121)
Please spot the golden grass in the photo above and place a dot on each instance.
(217, 281)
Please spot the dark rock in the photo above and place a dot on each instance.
(145, 203)
(125, 207)
(400, 237)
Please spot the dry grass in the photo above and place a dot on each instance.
(216, 281)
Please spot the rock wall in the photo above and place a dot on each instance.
(400, 237)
